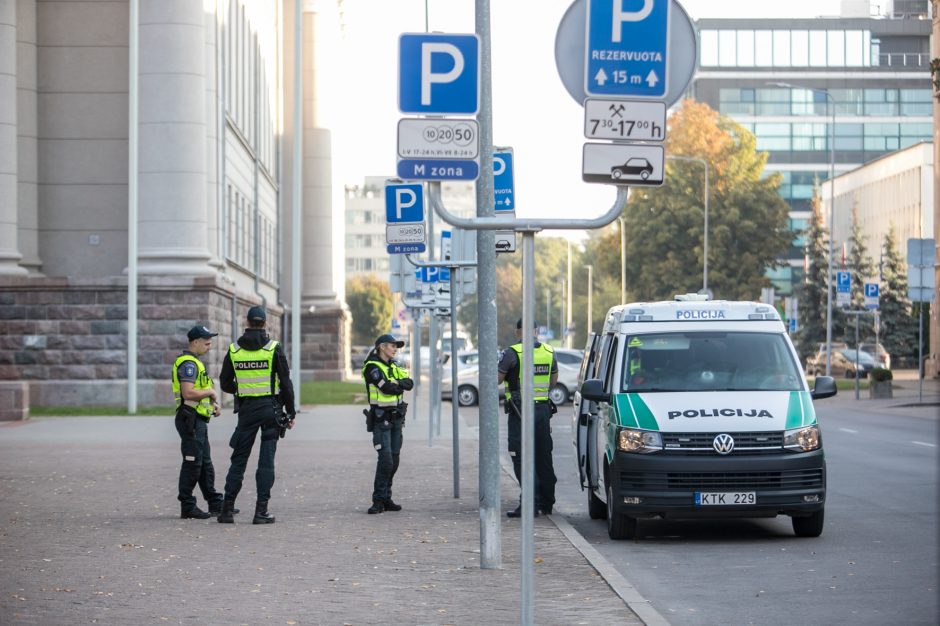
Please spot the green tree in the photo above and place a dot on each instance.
(898, 326)
(812, 293)
(748, 228)
(863, 271)
(370, 302)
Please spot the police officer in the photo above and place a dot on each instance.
(546, 375)
(386, 382)
(255, 370)
(196, 404)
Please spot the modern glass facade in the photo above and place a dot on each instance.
(780, 79)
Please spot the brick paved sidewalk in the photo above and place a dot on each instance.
(90, 533)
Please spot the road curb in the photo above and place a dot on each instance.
(640, 606)
(621, 586)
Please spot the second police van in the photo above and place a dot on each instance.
(697, 408)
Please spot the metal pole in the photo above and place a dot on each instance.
(296, 196)
(920, 349)
(705, 252)
(416, 356)
(832, 209)
(434, 384)
(455, 435)
(528, 429)
(590, 325)
(857, 315)
(568, 305)
(623, 261)
(132, 188)
(489, 476)
(548, 309)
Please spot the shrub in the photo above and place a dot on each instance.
(879, 374)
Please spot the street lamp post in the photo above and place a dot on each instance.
(590, 311)
(831, 107)
(705, 238)
(623, 261)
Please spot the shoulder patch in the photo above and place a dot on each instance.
(189, 369)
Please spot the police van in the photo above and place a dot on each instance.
(698, 409)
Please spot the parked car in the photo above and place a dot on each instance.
(468, 378)
(877, 352)
(843, 364)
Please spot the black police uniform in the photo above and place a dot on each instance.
(544, 479)
(386, 433)
(197, 465)
(256, 413)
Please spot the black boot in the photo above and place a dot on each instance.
(226, 514)
(216, 508)
(377, 507)
(517, 512)
(261, 514)
(194, 513)
(391, 505)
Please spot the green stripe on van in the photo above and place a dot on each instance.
(632, 412)
(800, 410)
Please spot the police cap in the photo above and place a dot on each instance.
(200, 332)
(257, 314)
(388, 339)
(519, 324)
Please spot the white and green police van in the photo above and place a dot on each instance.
(698, 408)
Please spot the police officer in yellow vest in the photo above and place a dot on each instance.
(546, 375)
(196, 404)
(255, 370)
(386, 383)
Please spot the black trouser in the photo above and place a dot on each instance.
(544, 475)
(254, 414)
(387, 440)
(197, 462)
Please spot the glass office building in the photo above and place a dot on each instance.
(773, 76)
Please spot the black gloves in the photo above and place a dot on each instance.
(406, 383)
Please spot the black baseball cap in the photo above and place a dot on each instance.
(388, 339)
(519, 324)
(200, 332)
(257, 313)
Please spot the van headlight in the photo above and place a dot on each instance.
(640, 441)
(801, 439)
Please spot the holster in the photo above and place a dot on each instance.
(370, 419)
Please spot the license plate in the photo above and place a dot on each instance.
(718, 498)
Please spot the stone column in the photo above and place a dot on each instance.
(173, 225)
(27, 136)
(933, 360)
(319, 284)
(9, 252)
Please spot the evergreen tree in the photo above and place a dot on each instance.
(812, 293)
(863, 271)
(370, 302)
(898, 326)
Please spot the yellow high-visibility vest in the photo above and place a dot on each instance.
(254, 370)
(203, 407)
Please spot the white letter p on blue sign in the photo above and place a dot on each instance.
(438, 74)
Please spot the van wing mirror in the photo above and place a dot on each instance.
(593, 389)
(824, 387)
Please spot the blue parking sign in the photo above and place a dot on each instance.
(404, 203)
(439, 74)
(503, 181)
(843, 282)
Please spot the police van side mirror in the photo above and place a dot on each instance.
(824, 387)
(593, 389)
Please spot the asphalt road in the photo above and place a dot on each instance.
(875, 563)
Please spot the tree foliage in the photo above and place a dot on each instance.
(812, 293)
(748, 229)
(863, 271)
(898, 326)
(370, 302)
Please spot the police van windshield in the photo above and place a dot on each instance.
(709, 361)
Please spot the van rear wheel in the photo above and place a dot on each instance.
(619, 526)
(809, 526)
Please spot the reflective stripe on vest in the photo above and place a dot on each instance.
(392, 373)
(542, 370)
(254, 370)
(203, 407)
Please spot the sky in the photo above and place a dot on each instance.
(532, 111)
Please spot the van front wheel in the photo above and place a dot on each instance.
(619, 526)
(596, 508)
(809, 526)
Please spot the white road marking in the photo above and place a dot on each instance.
(921, 443)
(849, 430)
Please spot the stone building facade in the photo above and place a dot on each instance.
(214, 180)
